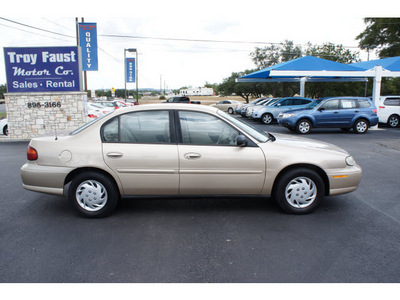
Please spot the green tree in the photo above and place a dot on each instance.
(333, 52)
(245, 90)
(3, 90)
(382, 35)
(275, 54)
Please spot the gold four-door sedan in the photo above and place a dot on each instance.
(183, 149)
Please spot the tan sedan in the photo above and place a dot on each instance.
(178, 149)
(227, 105)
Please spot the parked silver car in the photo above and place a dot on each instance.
(178, 149)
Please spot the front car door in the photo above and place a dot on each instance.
(140, 147)
(328, 113)
(211, 162)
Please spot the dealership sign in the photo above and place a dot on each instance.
(88, 43)
(130, 74)
(42, 69)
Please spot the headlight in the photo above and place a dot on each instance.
(350, 161)
(287, 115)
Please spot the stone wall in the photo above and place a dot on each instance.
(34, 114)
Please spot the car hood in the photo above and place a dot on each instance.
(305, 143)
(293, 111)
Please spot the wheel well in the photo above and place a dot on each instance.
(361, 118)
(307, 119)
(314, 168)
(78, 171)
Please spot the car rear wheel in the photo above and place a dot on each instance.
(5, 130)
(303, 126)
(267, 119)
(393, 121)
(230, 110)
(93, 194)
(360, 126)
(299, 191)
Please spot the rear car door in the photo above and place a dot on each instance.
(140, 147)
(348, 110)
(211, 162)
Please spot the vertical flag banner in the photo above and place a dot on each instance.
(88, 43)
(130, 70)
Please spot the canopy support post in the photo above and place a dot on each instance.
(303, 86)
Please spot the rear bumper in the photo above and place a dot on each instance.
(44, 179)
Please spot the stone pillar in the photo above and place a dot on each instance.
(34, 114)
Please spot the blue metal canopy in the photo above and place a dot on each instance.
(391, 64)
(307, 66)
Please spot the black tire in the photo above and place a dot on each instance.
(361, 126)
(393, 121)
(230, 110)
(93, 194)
(267, 118)
(303, 126)
(5, 130)
(299, 191)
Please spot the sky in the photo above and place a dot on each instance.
(170, 35)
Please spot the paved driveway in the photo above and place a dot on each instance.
(350, 238)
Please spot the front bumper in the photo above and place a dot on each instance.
(345, 180)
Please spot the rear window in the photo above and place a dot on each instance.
(363, 103)
(392, 102)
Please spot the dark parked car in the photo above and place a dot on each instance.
(181, 100)
(336, 112)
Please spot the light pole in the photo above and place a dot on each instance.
(133, 50)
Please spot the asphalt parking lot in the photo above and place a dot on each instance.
(351, 238)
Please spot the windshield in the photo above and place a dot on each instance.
(259, 135)
(314, 103)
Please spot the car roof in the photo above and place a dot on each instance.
(168, 106)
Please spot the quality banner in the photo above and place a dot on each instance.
(88, 44)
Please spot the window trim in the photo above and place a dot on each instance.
(250, 142)
(173, 140)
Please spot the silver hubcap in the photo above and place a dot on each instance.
(91, 195)
(304, 127)
(301, 192)
(361, 126)
(267, 119)
(393, 121)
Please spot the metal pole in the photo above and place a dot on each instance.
(137, 78)
(125, 71)
(84, 72)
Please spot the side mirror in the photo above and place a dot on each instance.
(321, 109)
(241, 141)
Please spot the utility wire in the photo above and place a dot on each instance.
(37, 28)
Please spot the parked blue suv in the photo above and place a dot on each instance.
(336, 112)
(269, 113)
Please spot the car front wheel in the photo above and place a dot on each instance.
(5, 130)
(303, 126)
(93, 194)
(299, 191)
(393, 121)
(230, 110)
(360, 126)
(267, 119)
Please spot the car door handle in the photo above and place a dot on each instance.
(192, 155)
(114, 154)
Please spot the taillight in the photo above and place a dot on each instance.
(375, 110)
(92, 116)
(32, 153)
(381, 106)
